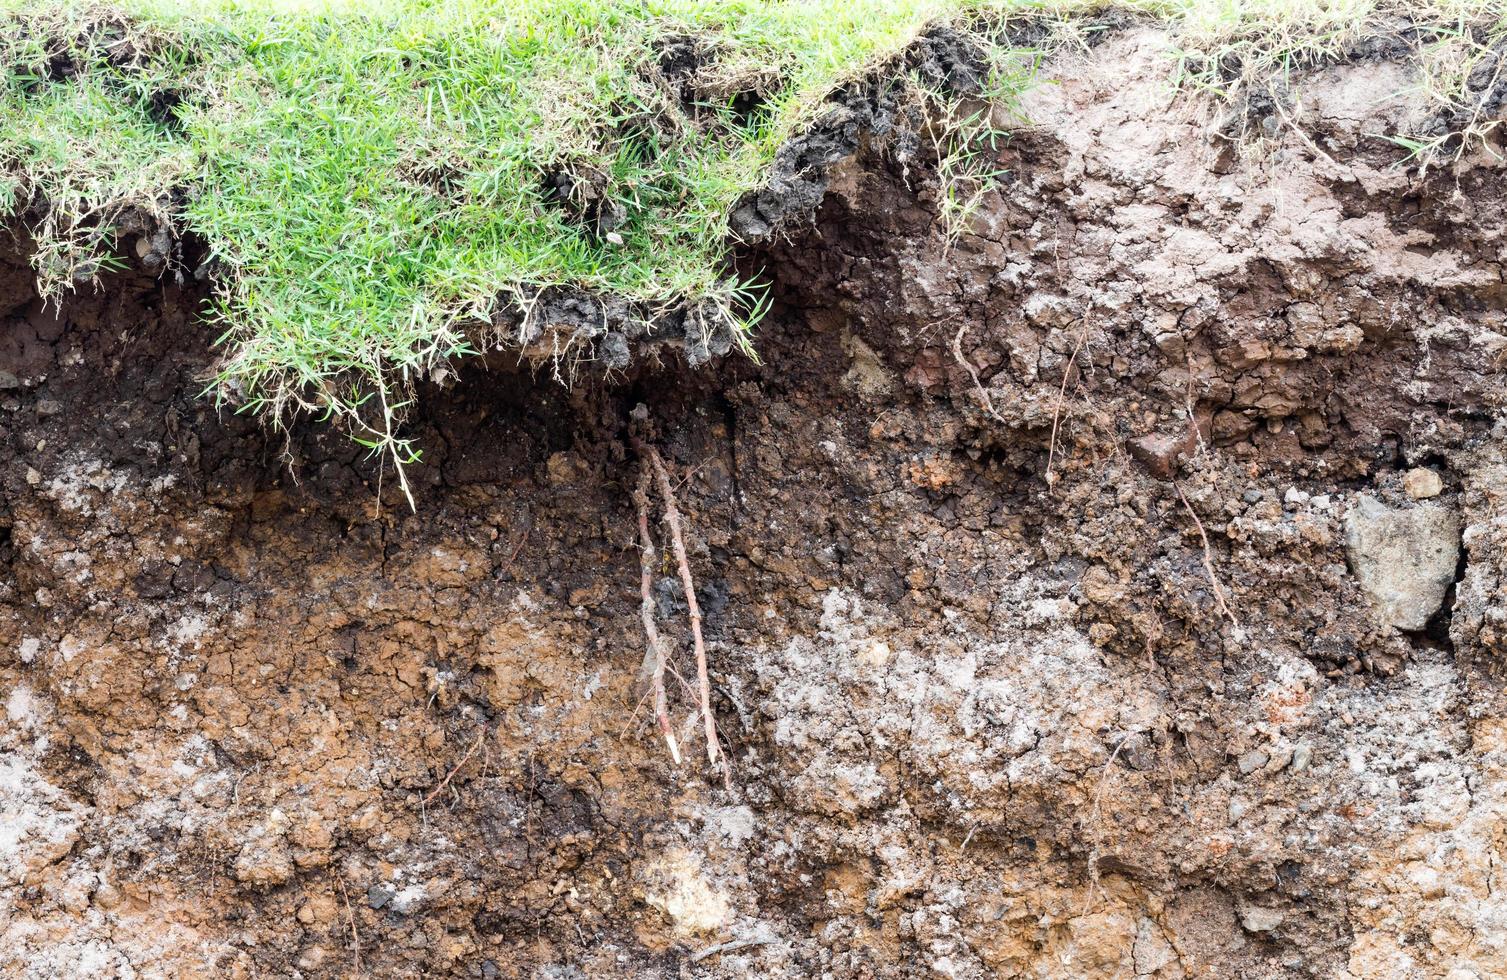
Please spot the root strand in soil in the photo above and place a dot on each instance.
(654, 470)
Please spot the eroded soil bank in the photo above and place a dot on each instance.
(1180, 691)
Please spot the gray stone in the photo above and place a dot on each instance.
(1260, 920)
(377, 896)
(1252, 761)
(1404, 558)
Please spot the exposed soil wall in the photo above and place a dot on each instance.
(1073, 590)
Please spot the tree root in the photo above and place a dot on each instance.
(654, 470)
(654, 654)
(1224, 606)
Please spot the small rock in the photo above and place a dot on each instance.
(312, 958)
(1405, 559)
(9, 381)
(1252, 496)
(1260, 920)
(377, 896)
(1301, 756)
(263, 863)
(1422, 483)
(32, 477)
(47, 408)
(1295, 496)
(1159, 453)
(1252, 761)
(106, 896)
(306, 914)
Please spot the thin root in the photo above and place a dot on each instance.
(654, 654)
(1224, 606)
(1057, 409)
(978, 384)
(350, 918)
(480, 737)
(677, 543)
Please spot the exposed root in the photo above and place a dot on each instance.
(1224, 607)
(480, 737)
(350, 918)
(1067, 374)
(978, 384)
(654, 653)
(677, 542)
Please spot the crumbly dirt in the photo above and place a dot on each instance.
(1035, 644)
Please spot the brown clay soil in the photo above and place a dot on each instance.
(1112, 702)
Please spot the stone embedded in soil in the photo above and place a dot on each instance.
(263, 863)
(1261, 920)
(676, 883)
(1159, 453)
(1252, 761)
(378, 896)
(1405, 559)
(1422, 483)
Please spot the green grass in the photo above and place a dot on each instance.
(369, 177)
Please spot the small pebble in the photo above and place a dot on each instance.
(1252, 761)
(1260, 920)
(1422, 483)
(377, 896)
(1252, 496)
